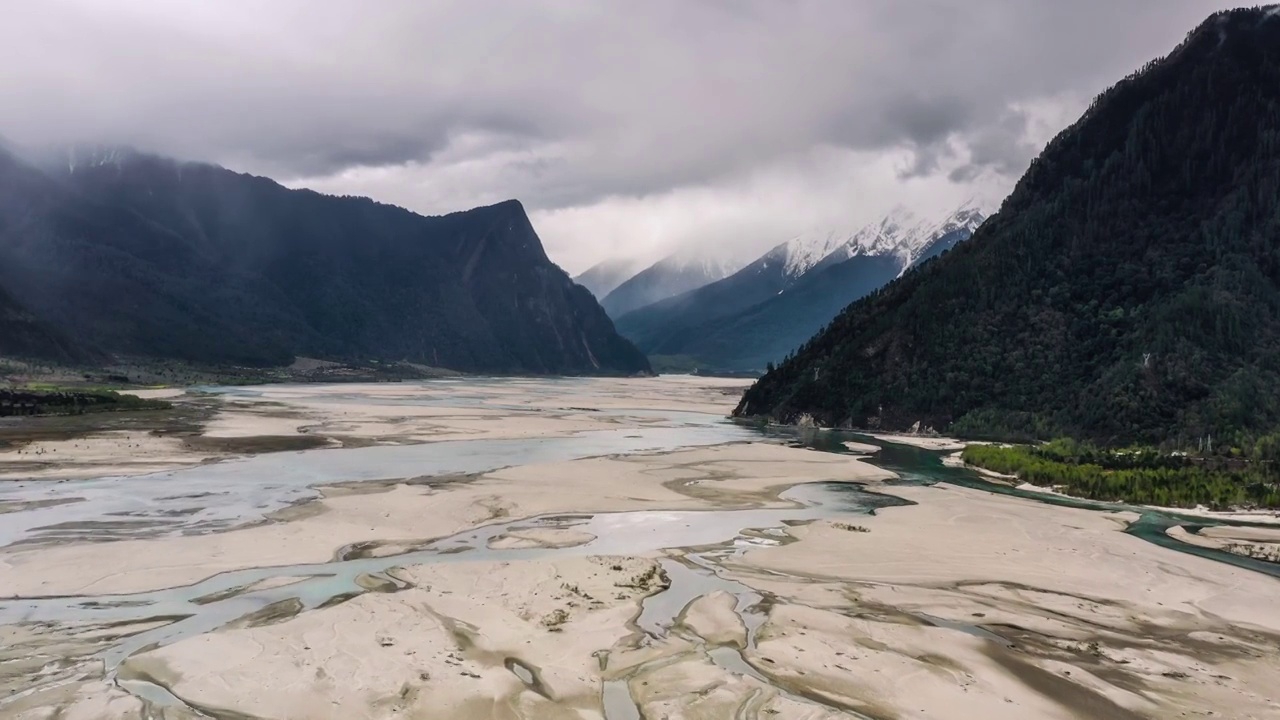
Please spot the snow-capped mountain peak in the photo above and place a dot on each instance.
(801, 253)
(888, 236)
(967, 217)
(900, 232)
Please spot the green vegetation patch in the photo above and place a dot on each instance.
(50, 401)
(1141, 476)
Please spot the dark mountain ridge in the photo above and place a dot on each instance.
(142, 255)
(1127, 290)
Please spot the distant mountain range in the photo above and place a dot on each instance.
(677, 273)
(765, 310)
(1128, 290)
(139, 255)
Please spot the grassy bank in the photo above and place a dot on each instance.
(54, 401)
(1138, 476)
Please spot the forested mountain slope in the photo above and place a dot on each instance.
(1128, 289)
(147, 256)
(24, 336)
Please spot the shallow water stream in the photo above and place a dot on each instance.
(216, 601)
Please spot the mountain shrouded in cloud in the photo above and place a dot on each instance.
(673, 275)
(141, 256)
(625, 133)
(606, 275)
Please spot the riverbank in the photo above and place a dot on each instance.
(1262, 543)
(593, 549)
(1257, 516)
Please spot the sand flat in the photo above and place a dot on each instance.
(1117, 625)
(963, 605)
(925, 442)
(101, 454)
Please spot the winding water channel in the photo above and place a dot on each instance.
(232, 493)
(925, 467)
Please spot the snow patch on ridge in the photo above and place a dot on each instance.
(901, 233)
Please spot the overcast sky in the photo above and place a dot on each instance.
(626, 128)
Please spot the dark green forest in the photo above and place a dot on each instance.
(1128, 290)
(1141, 475)
(23, 335)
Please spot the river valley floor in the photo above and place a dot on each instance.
(578, 549)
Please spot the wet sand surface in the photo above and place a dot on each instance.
(581, 549)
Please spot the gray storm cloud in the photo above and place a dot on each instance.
(566, 104)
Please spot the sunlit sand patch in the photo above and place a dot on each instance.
(540, 538)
